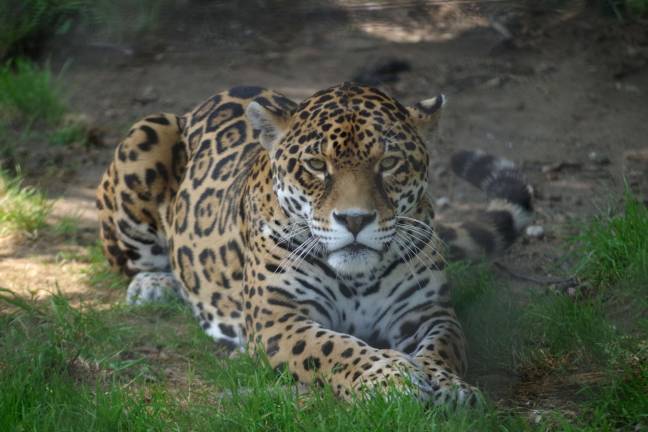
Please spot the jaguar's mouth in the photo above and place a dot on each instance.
(354, 258)
(355, 248)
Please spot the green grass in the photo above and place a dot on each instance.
(637, 7)
(602, 331)
(622, 9)
(152, 367)
(29, 102)
(613, 295)
(26, 24)
(67, 228)
(567, 331)
(486, 308)
(22, 208)
(65, 368)
(29, 94)
(99, 273)
(34, 122)
(124, 19)
(616, 246)
(73, 134)
(604, 328)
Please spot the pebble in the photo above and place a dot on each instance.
(535, 231)
(442, 202)
(628, 88)
(598, 158)
(148, 95)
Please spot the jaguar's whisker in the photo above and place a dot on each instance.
(427, 242)
(417, 254)
(407, 261)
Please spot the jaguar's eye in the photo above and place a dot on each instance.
(316, 164)
(388, 163)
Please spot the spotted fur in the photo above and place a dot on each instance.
(304, 230)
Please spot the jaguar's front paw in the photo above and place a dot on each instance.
(392, 371)
(450, 390)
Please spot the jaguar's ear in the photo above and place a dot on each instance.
(426, 115)
(271, 125)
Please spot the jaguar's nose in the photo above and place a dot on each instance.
(354, 222)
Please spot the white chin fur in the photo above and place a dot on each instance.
(348, 263)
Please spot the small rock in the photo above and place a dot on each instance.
(442, 202)
(545, 68)
(535, 231)
(571, 291)
(628, 88)
(560, 166)
(148, 95)
(493, 82)
(598, 158)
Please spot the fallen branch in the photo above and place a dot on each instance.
(540, 281)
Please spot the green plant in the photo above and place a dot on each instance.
(67, 368)
(624, 8)
(23, 23)
(637, 7)
(99, 273)
(66, 227)
(560, 327)
(29, 94)
(615, 246)
(69, 135)
(124, 18)
(22, 208)
(486, 309)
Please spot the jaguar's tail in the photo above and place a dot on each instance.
(509, 209)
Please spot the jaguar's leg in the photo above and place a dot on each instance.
(313, 353)
(437, 345)
(135, 191)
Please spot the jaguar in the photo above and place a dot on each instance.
(305, 231)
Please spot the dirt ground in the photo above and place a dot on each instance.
(563, 93)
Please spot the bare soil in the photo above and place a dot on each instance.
(563, 93)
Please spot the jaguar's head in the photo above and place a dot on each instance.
(347, 162)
